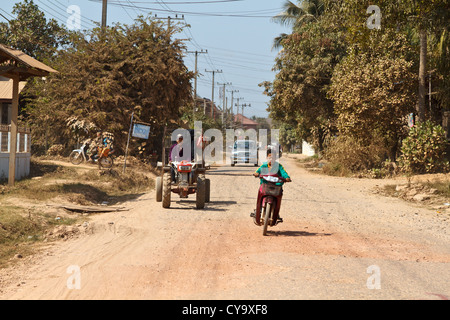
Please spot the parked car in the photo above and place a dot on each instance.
(244, 151)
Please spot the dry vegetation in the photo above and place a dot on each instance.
(30, 211)
(430, 190)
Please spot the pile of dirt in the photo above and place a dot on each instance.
(66, 232)
(417, 193)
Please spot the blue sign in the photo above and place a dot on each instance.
(411, 120)
(141, 131)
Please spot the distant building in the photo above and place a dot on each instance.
(244, 122)
(307, 149)
(208, 108)
(18, 67)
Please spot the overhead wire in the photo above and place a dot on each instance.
(237, 14)
(224, 57)
(63, 21)
(62, 7)
(125, 9)
(189, 2)
(7, 13)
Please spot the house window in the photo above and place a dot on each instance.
(4, 113)
(3, 141)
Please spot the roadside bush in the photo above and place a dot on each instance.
(55, 150)
(346, 154)
(423, 151)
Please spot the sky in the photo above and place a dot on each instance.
(237, 35)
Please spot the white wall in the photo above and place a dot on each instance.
(307, 149)
(23, 156)
(22, 165)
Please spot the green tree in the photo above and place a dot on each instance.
(32, 33)
(305, 66)
(418, 18)
(374, 91)
(288, 135)
(296, 16)
(439, 56)
(424, 150)
(441, 63)
(426, 15)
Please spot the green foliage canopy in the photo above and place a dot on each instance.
(32, 33)
(305, 66)
(374, 91)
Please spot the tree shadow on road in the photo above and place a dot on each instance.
(234, 174)
(294, 233)
(211, 206)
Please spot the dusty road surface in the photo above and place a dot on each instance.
(338, 241)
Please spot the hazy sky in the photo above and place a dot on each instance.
(238, 35)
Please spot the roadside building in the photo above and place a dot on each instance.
(18, 67)
(23, 135)
(244, 122)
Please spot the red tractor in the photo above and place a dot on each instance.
(183, 177)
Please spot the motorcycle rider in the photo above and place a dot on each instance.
(273, 168)
(97, 142)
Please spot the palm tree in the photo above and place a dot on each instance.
(426, 16)
(441, 56)
(297, 15)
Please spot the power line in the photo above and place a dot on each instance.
(242, 52)
(62, 21)
(62, 7)
(242, 14)
(210, 62)
(50, 14)
(187, 2)
(7, 14)
(5, 18)
(134, 9)
(126, 11)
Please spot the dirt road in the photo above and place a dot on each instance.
(338, 241)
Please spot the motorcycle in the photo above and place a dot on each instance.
(271, 196)
(103, 157)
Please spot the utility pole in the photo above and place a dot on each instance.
(224, 106)
(237, 110)
(212, 96)
(169, 19)
(244, 106)
(232, 100)
(196, 69)
(104, 13)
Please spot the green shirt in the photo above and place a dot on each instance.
(266, 169)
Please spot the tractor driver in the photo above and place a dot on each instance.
(176, 153)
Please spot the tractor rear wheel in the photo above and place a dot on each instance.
(166, 190)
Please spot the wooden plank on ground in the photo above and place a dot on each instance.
(92, 209)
